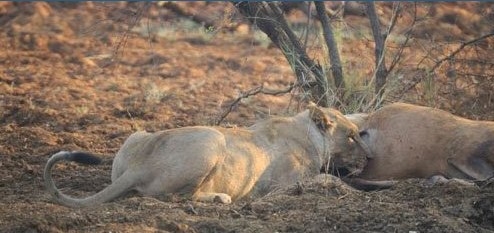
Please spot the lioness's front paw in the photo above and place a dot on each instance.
(222, 198)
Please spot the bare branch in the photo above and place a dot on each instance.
(270, 19)
(462, 46)
(394, 17)
(408, 33)
(334, 55)
(446, 58)
(309, 22)
(381, 72)
(136, 18)
(254, 91)
(379, 39)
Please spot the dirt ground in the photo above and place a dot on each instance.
(73, 78)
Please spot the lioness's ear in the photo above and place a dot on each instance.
(322, 120)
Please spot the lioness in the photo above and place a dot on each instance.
(215, 164)
(410, 141)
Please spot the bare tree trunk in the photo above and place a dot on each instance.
(379, 39)
(268, 17)
(334, 56)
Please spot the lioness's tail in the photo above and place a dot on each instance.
(118, 187)
(369, 185)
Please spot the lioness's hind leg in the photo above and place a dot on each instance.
(212, 197)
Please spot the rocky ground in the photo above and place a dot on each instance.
(85, 76)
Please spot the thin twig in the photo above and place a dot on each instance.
(309, 16)
(463, 45)
(137, 16)
(254, 91)
(394, 17)
(380, 73)
(447, 58)
(408, 33)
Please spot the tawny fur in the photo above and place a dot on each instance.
(410, 141)
(213, 164)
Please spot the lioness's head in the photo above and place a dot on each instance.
(345, 140)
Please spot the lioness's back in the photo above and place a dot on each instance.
(141, 145)
(411, 116)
